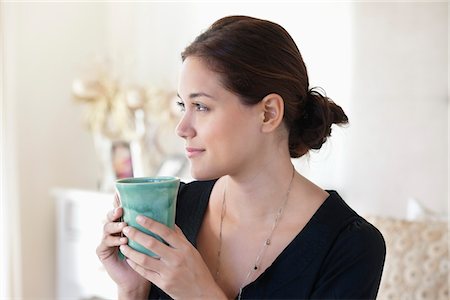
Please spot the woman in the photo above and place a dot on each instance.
(251, 227)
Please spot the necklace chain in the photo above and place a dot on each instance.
(266, 242)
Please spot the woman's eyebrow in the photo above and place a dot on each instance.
(197, 95)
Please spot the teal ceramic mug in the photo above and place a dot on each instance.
(153, 197)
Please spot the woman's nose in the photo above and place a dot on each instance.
(184, 128)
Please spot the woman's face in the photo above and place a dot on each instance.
(222, 136)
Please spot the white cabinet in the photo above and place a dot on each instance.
(80, 218)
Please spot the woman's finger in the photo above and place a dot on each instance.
(114, 241)
(116, 202)
(147, 241)
(169, 235)
(109, 245)
(115, 214)
(147, 262)
(114, 227)
(150, 275)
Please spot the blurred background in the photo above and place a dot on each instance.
(87, 97)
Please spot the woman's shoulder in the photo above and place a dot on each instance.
(361, 236)
(353, 254)
(352, 233)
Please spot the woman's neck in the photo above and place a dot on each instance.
(257, 195)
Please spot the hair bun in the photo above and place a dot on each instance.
(313, 127)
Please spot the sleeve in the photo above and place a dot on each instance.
(354, 264)
(157, 294)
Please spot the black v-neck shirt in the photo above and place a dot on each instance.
(337, 255)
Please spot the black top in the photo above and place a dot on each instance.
(337, 255)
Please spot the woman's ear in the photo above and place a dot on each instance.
(272, 112)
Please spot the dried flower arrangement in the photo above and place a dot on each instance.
(119, 112)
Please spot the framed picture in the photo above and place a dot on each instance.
(121, 160)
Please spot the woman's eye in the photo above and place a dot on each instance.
(196, 106)
(181, 106)
(200, 107)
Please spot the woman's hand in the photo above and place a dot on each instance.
(130, 284)
(179, 269)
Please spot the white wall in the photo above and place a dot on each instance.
(385, 64)
(397, 141)
(45, 44)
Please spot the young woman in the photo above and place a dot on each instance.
(251, 226)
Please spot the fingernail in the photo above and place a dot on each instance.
(140, 219)
(126, 230)
(116, 210)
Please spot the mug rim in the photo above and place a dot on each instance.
(135, 180)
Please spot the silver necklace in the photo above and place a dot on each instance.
(266, 243)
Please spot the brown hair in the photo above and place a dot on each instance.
(257, 57)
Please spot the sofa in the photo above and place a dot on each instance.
(417, 261)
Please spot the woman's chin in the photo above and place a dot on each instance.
(203, 175)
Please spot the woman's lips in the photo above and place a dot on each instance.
(193, 152)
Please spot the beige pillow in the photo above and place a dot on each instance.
(417, 261)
